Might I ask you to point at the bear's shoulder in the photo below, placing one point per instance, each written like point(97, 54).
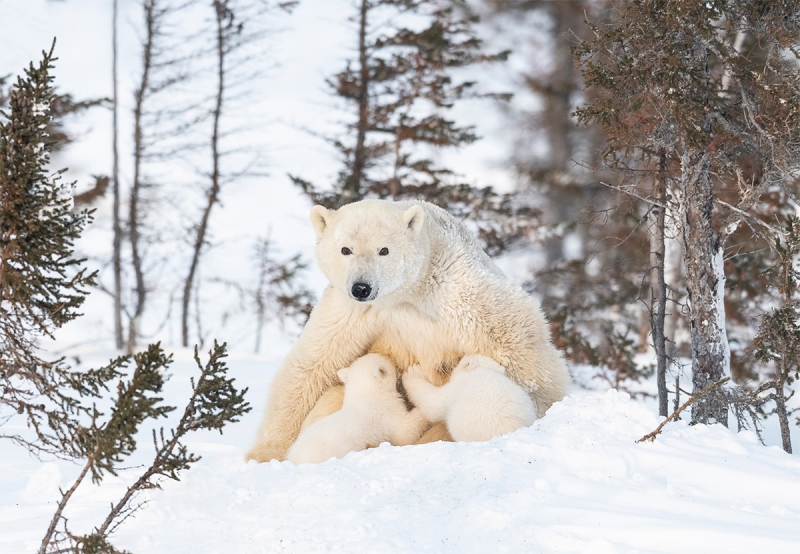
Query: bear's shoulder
point(455, 240)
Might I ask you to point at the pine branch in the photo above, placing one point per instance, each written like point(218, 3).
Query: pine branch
point(213, 404)
point(106, 444)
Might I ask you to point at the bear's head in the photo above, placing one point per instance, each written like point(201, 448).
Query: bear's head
point(368, 372)
point(370, 249)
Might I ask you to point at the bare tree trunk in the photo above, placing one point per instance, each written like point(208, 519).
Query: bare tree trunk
point(658, 287)
point(116, 260)
point(738, 42)
point(673, 276)
point(222, 13)
point(136, 189)
point(261, 307)
point(705, 285)
point(780, 400)
point(559, 124)
point(353, 184)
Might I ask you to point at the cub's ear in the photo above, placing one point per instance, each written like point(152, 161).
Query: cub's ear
point(413, 217)
point(343, 373)
point(379, 371)
point(320, 219)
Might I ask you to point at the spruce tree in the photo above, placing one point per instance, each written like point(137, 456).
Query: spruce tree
point(778, 338)
point(42, 284)
point(551, 158)
point(673, 87)
point(399, 91)
point(42, 288)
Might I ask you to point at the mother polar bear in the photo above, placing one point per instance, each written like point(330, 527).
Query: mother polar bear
point(409, 281)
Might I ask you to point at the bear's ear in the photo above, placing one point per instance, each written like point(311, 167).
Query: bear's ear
point(413, 217)
point(343, 374)
point(320, 218)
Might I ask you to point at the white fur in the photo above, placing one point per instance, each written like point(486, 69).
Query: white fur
point(435, 298)
point(373, 412)
point(478, 403)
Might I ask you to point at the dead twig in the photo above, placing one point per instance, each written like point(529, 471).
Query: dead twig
point(709, 388)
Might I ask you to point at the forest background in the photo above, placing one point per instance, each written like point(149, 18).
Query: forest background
point(215, 170)
point(223, 182)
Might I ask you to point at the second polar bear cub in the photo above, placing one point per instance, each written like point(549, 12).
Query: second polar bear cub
point(373, 412)
point(478, 403)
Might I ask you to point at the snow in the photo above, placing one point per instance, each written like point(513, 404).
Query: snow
point(40, 109)
point(576, 481)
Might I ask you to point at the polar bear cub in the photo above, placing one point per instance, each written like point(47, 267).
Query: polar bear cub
point(478, 403)
point(373, 412)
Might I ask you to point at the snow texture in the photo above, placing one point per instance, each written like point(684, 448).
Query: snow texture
point(576, 481)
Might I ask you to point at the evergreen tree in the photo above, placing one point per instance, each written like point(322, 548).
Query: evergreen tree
point(552, 155)
point(672, 87)
point(778, 338)
point(42, 288)
point(593, 239)
point(400, 89)
point(41, 283)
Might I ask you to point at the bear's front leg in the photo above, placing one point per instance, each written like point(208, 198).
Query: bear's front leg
point(289, 401)
point(336, 334)
point(330, 402)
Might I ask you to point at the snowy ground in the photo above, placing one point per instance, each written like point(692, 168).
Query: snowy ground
point(574, 482)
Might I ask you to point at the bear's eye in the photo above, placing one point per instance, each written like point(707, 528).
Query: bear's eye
point(384, 252)
point(346, 251)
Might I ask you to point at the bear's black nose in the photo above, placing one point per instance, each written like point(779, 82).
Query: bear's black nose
point(361, 291)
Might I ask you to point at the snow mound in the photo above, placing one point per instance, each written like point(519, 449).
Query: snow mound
point(575, 481)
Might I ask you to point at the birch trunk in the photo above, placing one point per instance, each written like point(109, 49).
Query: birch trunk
point(354, 182)
point(222, 12)
point(117, 254)
point(134, 213)
point(658, 287)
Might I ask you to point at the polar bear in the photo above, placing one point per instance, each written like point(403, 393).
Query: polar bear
point(409, 281)
point(478, 403)
point(372, 412)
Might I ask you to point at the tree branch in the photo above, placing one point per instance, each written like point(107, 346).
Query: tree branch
point(709, 388)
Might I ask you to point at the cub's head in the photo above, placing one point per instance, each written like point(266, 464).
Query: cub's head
point(474, 362)
point(370, 248)
point(369, 371)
